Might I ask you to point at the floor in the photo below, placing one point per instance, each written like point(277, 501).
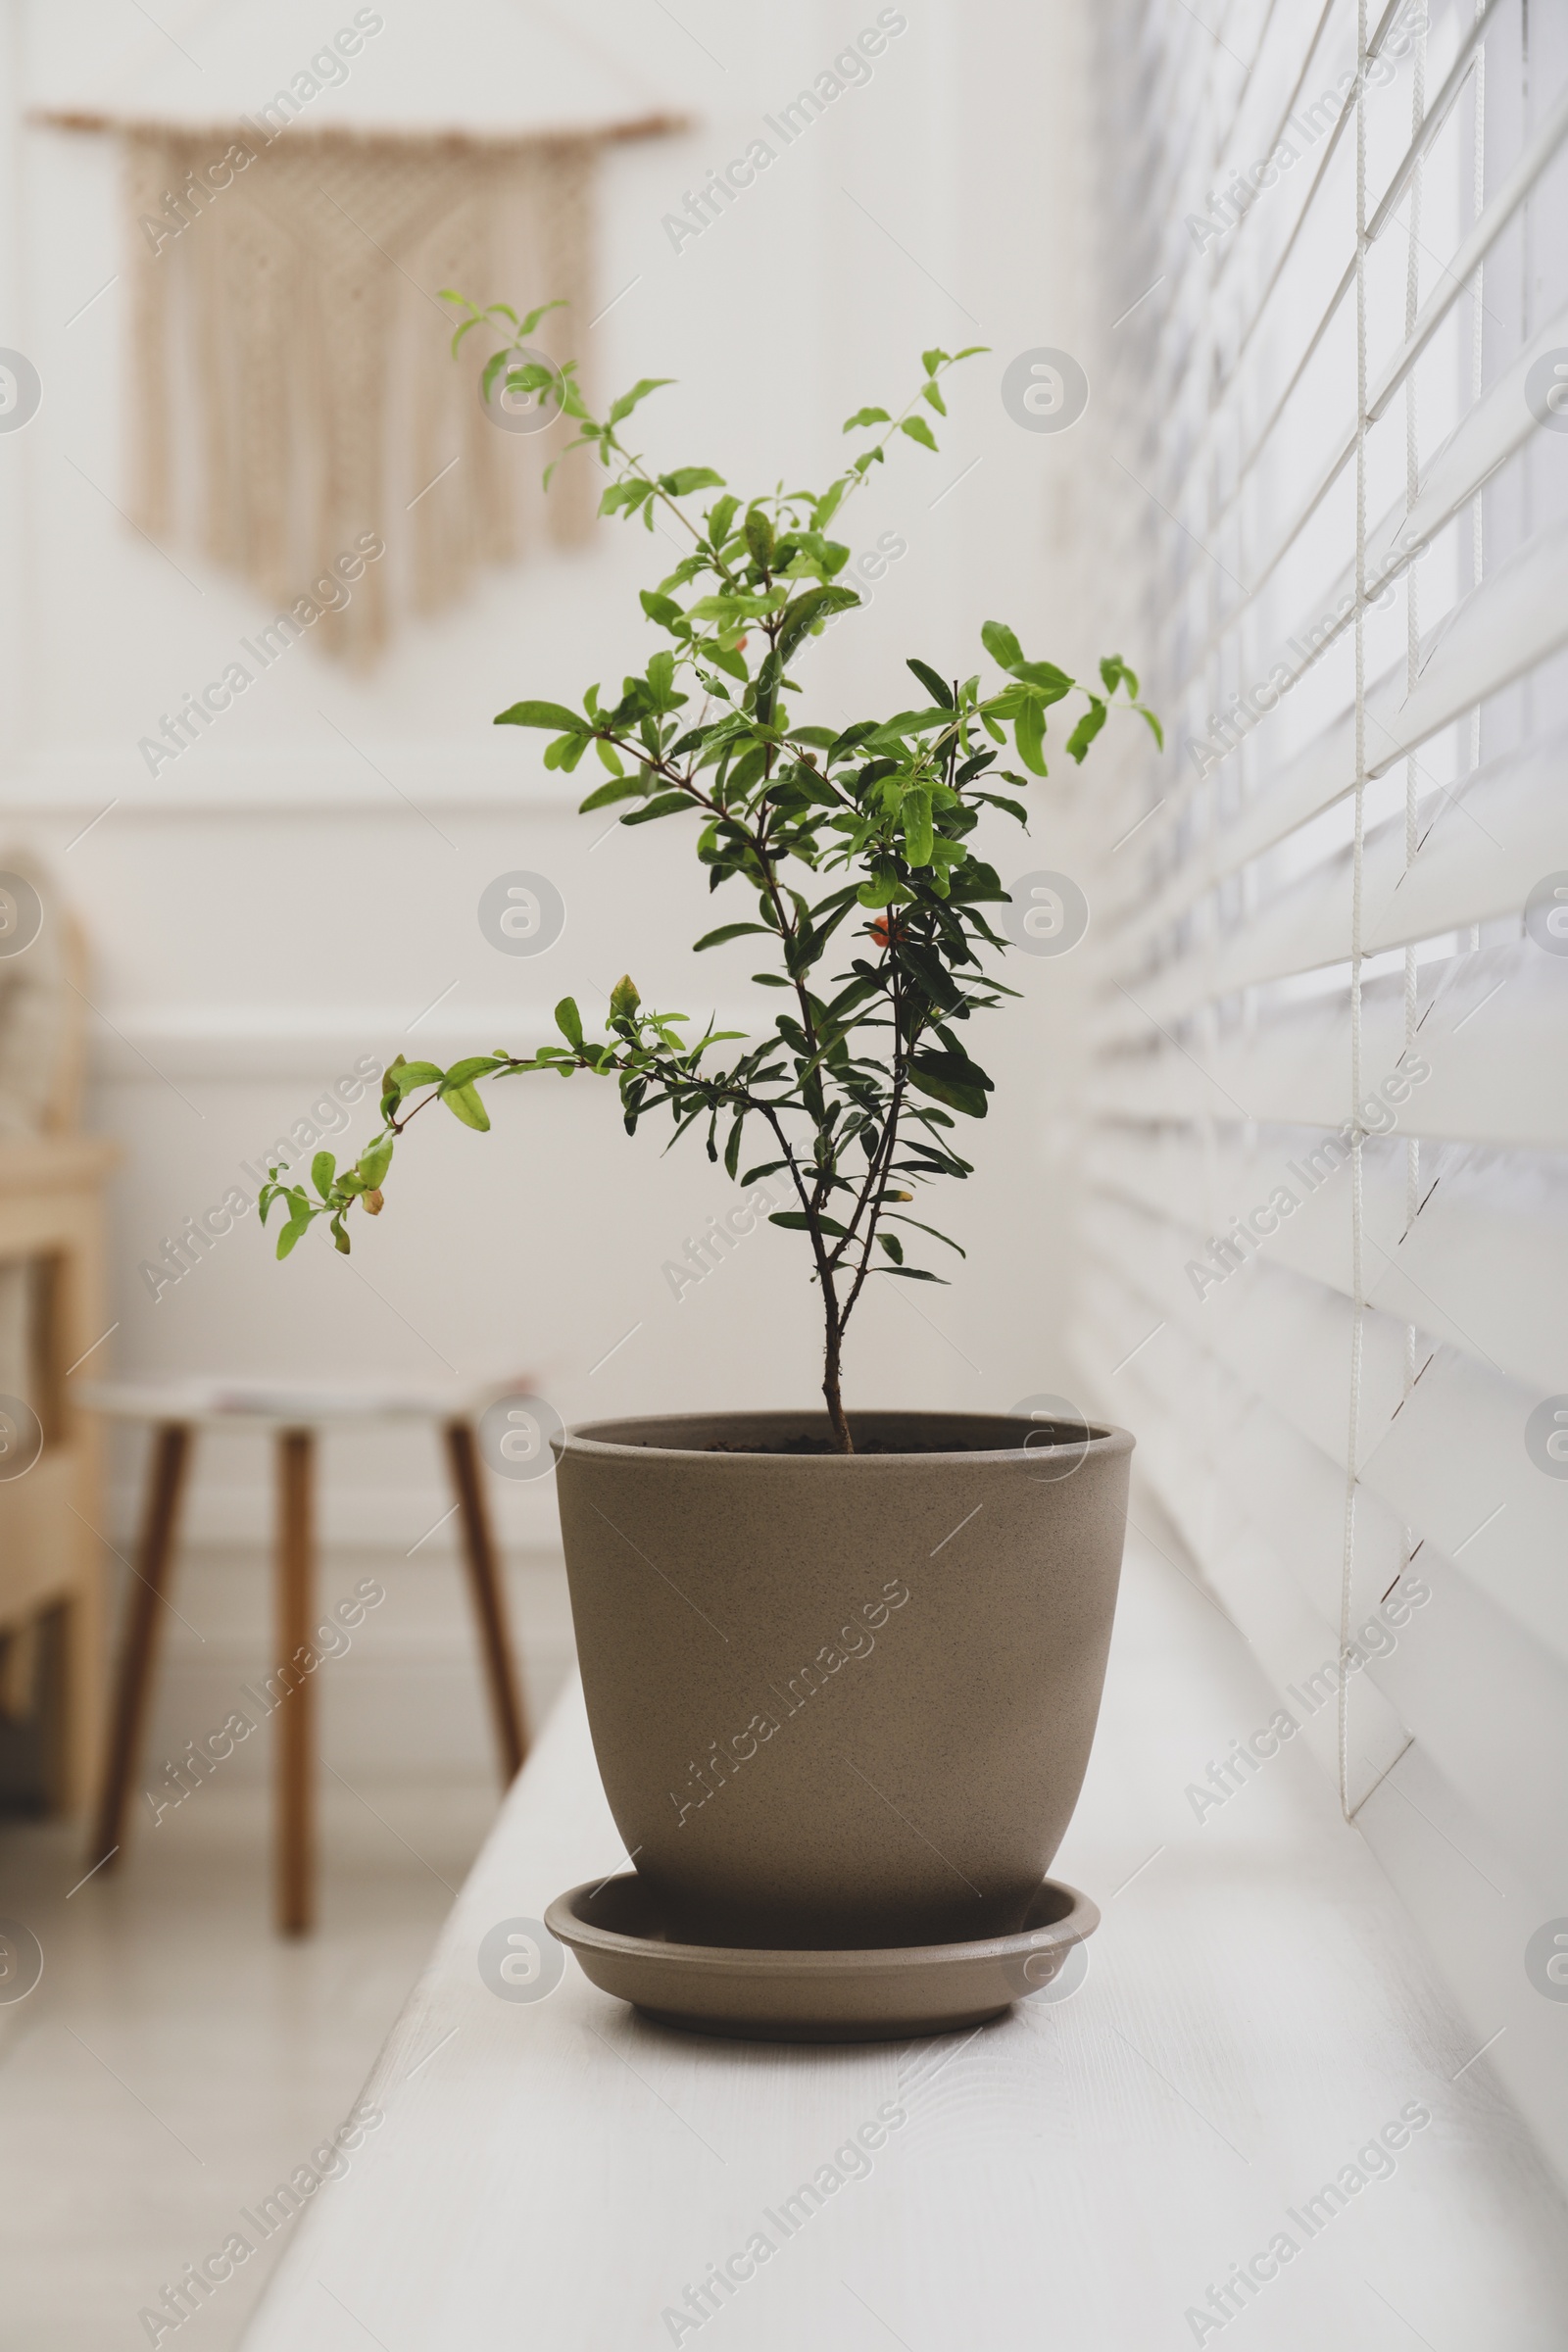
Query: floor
point(176, 2060)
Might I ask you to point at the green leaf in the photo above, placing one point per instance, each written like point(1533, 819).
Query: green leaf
point(913, 1274)
point(803, 613)
point(662, 683)
point(569, 1020)
point(953, 1079)
point(732, 607)
point(853, 425)
point(542, 714)
point(324, 1167)
point(932, 1231)
point(687, 478)
point(463, 1102)
point(491, 369)
point(720, 516)
point(918, 834)
point(1088, 727)
point(759, 538)
point(1029, 729)
point(852, 737)
point(1112, 669)
point(930, 971)
point(373, 1164)
point(893, 1246)
point(936, 688)
point(1155, 727)
point(567, 752)
point(525, 326)
point(665, 803)
point(997, 800)
point(1052, 682)
point(416, 1073)
point(933, 359)
point(1000, 644)
point(884, 889)
point(747, 771)
point(291, 1232)
point(919, 430)
point(535, 377)
point(717, 939)
point(620, 788)
point(623, 999)
point(799, 1222)
point(827, 506)
point(640, 390)
point(929, 393)
point(630, 493)
point(663, 609)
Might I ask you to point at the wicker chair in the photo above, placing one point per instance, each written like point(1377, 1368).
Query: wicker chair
point(51, 1315)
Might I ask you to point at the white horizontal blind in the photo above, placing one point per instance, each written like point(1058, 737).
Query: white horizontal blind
point(1326, 1279)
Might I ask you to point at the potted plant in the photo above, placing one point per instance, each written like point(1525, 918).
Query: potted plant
point(841, 1667)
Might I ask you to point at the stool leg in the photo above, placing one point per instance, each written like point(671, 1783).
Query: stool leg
point(295, 1831)
point(489, 1598)
point(165, 1489)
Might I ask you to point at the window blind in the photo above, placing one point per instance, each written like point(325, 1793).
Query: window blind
point(1325, 1210)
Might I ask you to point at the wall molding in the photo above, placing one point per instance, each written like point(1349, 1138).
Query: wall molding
point(242, 1043)
point(289, 779)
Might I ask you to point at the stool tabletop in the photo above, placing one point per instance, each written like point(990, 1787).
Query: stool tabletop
point(270, 1403)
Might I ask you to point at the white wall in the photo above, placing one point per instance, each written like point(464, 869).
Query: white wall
point(267, 908)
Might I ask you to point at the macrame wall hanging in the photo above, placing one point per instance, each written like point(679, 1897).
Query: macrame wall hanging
point(293, 408)
point(292, 389)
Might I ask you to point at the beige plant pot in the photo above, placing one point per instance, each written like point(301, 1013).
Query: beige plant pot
point(842, 1700)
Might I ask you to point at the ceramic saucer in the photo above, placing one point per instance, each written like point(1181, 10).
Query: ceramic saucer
point(620, 1932)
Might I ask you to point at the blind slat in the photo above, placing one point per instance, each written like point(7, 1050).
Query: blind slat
point(1483, 1264)
point(1449, 1461)
point(1471, 36)
point(1515, 621)
point(1514, 1764)
point(1484, 440)
point(1499, 1080)
point(1456, 278)
point(1483, 847)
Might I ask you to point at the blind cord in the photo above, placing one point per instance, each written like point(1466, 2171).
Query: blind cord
point(1418, 108)
point(1478, 362)
point(1412, 645)
point(1348, 1565)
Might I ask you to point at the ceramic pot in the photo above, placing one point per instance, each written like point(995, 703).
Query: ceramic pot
point(842, 1700)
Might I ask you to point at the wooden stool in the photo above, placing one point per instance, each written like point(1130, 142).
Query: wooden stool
point(293, 1416)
